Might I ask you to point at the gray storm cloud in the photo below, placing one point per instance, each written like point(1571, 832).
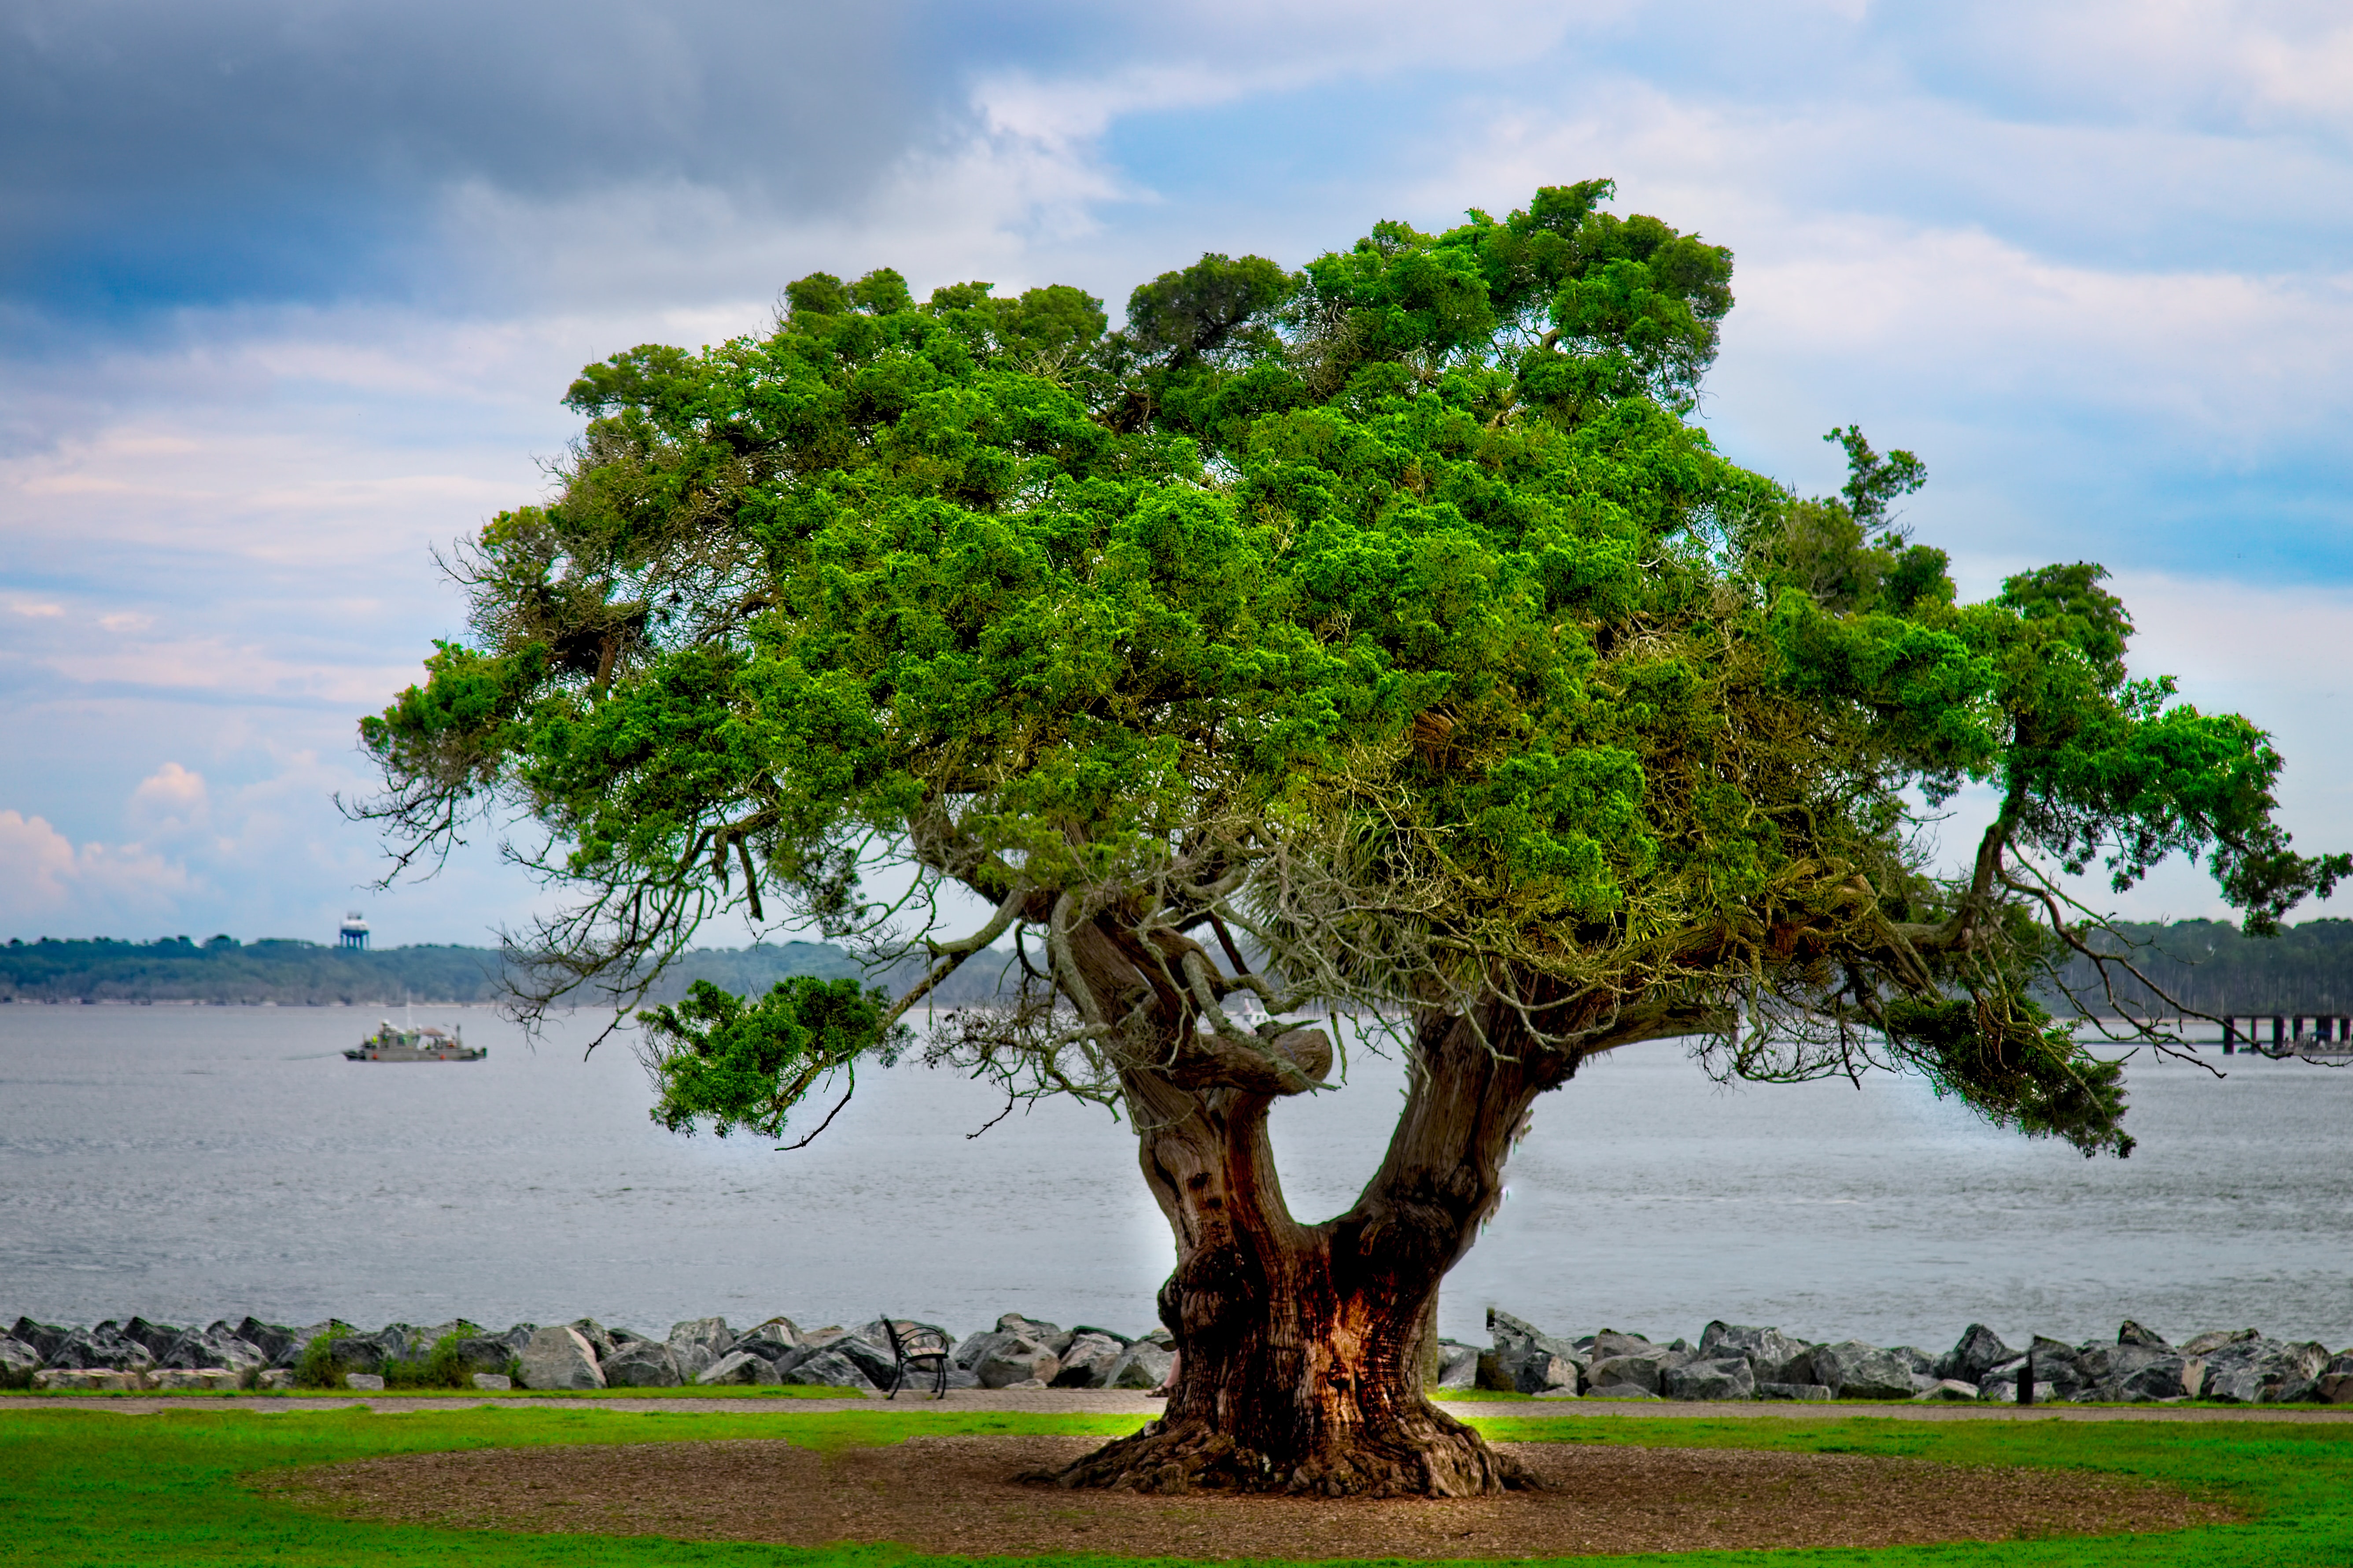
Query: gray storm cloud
point(154, 151)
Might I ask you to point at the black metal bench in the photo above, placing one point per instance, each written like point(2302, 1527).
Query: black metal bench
point(921, 1348)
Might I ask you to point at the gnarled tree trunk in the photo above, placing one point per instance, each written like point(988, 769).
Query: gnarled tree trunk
point(1299, 1344)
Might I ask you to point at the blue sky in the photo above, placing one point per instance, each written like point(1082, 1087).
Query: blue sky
point(289, 291)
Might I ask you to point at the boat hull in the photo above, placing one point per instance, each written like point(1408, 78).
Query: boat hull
point(414, 1044)
point(400, 1054)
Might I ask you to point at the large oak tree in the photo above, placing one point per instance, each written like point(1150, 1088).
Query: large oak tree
point(1378, 639)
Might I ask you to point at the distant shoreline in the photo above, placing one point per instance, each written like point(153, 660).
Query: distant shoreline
point(277, 972)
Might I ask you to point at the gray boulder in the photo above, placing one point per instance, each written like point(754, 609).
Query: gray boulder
point(641, 1363)
point(1054, 1337)
point(2266, 1372)
point(2055, 1362)
point(101, 1348)
point(355, 1353)
point(1642, 1371)
point(87, 1380)
point(1088, 1361)
point(488, 1356)
point(217, 1348)
point(2097, 1363)
point(1541, 1371)
point(697, 1344)
point(155, 1338)
point(1611, 1342)
point(1770, 1352)
point(1858, 1370)
point(272, 1340)
point(2000, 1385)
point(1457, 1365)
point(2336, 1386)
point(599, 1338)
point(1802, 1391)
point(1946, 1389)
point(739, 1367)
point(2162, 1377)
point(1021, 1361)
point(1145, 1365)
point(300, 1342)
point(18, 1362)
point(45, 1338)
point(1525, 1359)
point(1619, 1391)
point(492, 1382)
point(771, 1339)
point(1976, 1352)
point(1729, 1377)
point(874, 1360)
point(766, 1347)
point(823, 1367)
point(2207, 1343)
point(2132, 1333)
point(362, 1382)
point(560, 1358)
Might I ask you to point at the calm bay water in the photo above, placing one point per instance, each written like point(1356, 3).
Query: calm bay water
point(194, 1163)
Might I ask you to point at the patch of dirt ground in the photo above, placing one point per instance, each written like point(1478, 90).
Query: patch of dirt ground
point(960, 1495)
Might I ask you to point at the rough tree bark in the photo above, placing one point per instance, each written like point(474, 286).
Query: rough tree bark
point(1298, 1369)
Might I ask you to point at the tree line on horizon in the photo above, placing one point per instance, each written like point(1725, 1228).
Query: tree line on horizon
point(2214, 967)
point(293, 972)
point(2210, 965)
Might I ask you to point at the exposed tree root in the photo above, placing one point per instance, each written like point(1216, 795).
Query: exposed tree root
point(1172, 1458)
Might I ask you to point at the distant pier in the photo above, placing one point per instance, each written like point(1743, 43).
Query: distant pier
point(2290, 1034)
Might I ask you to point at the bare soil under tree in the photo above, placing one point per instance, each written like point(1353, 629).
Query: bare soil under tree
point(964, 1495)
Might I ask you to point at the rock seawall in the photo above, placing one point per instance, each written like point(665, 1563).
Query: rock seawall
point(1019, 1353)
point(1735, 1362)
point(1730, 1362)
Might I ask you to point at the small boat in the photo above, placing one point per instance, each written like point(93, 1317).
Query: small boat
point(425, 1045)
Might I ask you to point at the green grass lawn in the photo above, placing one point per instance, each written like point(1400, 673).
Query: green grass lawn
point(87, 1487)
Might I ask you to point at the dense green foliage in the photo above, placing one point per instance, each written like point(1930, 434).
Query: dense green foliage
point(439, 1367)
point(89, 1489)
point(1390, 614)
point(731, 1061)
point(317, 1368)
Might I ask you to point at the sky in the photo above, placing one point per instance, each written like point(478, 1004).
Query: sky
point(290, 290)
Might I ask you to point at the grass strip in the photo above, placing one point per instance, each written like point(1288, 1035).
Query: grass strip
point(89, 1488)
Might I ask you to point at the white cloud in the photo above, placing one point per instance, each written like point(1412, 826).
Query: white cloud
point(36, 859)
point(43, 874)
point(171, 802)
point(2259, 62)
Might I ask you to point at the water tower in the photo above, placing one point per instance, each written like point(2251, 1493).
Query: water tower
point(354, 933)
